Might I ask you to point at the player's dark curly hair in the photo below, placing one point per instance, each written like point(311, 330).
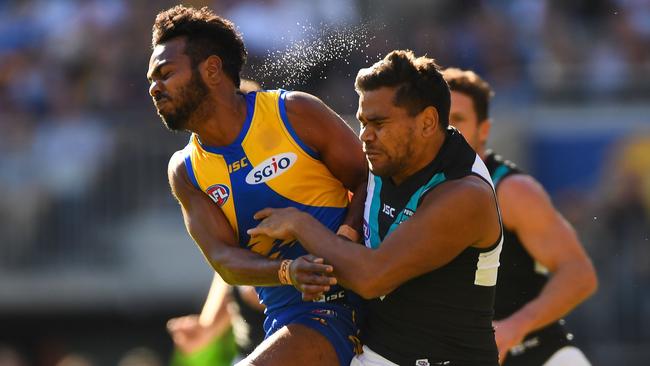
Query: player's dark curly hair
point(470, 84)
point(418, 80)
point(206, 34)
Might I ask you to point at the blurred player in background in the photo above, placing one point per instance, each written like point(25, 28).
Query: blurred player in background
point(247, 152)
point(229, 328)
point(431, 226)
point(538, 242)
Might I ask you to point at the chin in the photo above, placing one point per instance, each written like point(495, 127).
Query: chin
point(377, 170)
point(172, 123)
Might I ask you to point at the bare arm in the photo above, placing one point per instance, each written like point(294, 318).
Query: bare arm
point(210, 229)
point(551, 241)
point(338, 146)
point(452, 217)
point(192, 333)
point(216, 302)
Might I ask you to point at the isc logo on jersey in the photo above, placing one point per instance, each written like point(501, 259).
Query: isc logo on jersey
point(270, 168)
point(219, 193)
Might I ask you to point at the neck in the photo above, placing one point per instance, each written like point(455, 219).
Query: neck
point(421, 158)
point(222, 121)
point(481, 152)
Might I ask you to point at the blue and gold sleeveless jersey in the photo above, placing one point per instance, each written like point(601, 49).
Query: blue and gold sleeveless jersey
point(267, 166)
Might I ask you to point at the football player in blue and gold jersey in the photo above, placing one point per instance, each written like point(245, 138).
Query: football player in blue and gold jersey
point(250, 151)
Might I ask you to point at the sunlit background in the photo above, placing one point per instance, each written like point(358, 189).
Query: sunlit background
point(94, 257)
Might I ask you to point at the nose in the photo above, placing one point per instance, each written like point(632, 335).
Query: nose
point(155, 89)
point(366, 134)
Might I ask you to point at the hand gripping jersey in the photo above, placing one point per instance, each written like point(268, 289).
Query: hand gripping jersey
point(443, 317)
point(267, 166)
point(521, 279)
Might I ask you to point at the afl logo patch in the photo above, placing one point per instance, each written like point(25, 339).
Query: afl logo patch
point(270, 168)
point(219, 193)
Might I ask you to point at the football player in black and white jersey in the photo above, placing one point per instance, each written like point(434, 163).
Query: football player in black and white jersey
point(544, 272)
point(432, 228)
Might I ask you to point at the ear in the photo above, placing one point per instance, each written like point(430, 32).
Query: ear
point(484, 131)
point(212, 70)
point(428, 121)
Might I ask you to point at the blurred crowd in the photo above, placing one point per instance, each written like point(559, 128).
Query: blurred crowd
point(81, 147)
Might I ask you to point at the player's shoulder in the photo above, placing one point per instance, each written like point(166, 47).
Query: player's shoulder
point(519, 193)
point(470, 189)
point(176, 161)
point(176, 170)
point(520, 185)
point(300, 97)
point(300, 103)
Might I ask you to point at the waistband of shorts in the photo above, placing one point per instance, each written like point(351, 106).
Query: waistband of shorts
point(553, 336)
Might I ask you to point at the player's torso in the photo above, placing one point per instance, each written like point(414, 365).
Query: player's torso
point(266, 166)
point(426, 314)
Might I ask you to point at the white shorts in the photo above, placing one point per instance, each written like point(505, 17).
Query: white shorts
point(370, 358)
point(565, 356)
point(568, 356)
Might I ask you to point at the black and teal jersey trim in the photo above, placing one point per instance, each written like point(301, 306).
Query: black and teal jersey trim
point(375, 233)
point(499, 168)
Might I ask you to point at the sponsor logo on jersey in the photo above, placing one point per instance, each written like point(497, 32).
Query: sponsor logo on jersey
point(331, 297)
point(422, 362)
point(405, 215)
point(235, 166)
point(270, 168)
point(390, 211)
point(219, 193)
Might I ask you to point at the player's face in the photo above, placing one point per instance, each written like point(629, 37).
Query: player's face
point(387, 132)
point(462, 115)
point(176, 87)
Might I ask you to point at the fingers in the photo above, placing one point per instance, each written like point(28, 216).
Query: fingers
point(256, 231)
point(312, 289)
point(312, 296)
point(311, 263)
point(313, 259)
point(263, 213)
point(304, 266)
point(313, 279)
point(311, 276)
point(182, 323)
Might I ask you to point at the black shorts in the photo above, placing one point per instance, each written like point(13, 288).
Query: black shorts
point(539, 346)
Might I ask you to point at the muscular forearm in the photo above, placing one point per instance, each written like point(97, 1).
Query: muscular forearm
point(353, 263)
point(242, 267)
point(570, 285)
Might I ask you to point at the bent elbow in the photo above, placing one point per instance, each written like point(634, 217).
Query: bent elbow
point(587, 280)
point(230, 280)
